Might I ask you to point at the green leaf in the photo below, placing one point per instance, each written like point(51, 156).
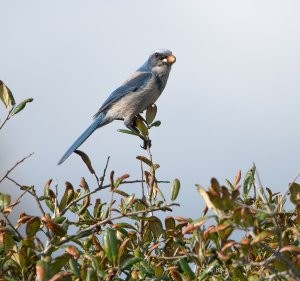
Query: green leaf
point(128, 201)
point(67, 197)
point(87, 199)
point(260, 237)
point(186, 269)
point(156, 227)
point(170, 223)
point(28, 242)
point(86, 160)
point(59, 262)
point(97, 208)
point(247, 217)
point(7, 243)
point(128, 132)
point(175, 189)
point(142, 127)
point(248, 181)
point(295, 193)
point(75, 267)
point(208, 269)
point(48, 193)
point(21, 106)
point(95, 265)
point(253, 277)
point(155, 124)
point(110, 245)
point(229, 184)
point(32, 226)
point(42, 270)
point(151, 113)
point(6, 95)
point(128, 263)
point(4, 200)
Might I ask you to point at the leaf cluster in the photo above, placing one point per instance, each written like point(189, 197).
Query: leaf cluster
point(244, 233)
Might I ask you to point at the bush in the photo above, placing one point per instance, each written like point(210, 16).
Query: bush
point(244, 232)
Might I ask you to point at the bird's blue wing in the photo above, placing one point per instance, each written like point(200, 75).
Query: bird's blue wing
point(137, 83)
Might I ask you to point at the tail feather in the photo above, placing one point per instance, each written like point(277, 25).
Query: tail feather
point(98, 122)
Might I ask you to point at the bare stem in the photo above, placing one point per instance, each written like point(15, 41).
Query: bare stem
point(287, 192)
point(7, 118)
point(143, 189)
point(11, 225)
point(19, 162)
point(271, 212)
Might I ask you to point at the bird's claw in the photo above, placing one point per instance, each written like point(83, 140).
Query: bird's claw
point(147, 144)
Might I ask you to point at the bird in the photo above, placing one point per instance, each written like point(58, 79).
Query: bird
point(139, 91)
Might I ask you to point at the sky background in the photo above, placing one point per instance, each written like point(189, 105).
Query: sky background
point(232, 97)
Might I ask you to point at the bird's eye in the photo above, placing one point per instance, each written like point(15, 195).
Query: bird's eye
point(156, 54)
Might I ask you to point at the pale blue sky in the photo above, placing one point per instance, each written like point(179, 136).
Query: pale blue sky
point(232, 97)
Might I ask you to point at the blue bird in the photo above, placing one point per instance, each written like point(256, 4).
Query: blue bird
point(139, 91)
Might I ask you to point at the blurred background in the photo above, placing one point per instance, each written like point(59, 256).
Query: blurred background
point(232, 97)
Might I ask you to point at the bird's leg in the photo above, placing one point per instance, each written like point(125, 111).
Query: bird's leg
point(132, 126)
point(147, 144)
point(139, 116)
point(146, 140)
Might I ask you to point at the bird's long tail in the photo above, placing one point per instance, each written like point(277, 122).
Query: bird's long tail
point(97, 123)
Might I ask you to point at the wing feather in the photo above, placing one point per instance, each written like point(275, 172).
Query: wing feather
point(133, 84)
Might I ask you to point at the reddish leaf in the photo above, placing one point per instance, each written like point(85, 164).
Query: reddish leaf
point(191, 227)
point(73, 251)
point(86, 160)
point(237, 177)
point(53, 226)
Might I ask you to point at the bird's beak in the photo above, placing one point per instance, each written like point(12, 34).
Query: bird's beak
point(171, 59)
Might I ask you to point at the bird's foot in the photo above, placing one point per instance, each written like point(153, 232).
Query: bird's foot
point(147, 144)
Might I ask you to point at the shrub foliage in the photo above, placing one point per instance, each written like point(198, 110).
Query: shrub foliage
point(244, 233)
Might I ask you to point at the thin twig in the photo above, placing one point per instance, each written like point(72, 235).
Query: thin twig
point(172, 258)
point(11, 225)
point(278, 275)
point(7, 117)
point(19, 162)
point(101, 180)
point(17, 201)
point(271, 212)
point(253, 209)
point(31, 191)
point(17, 184)
point(138, 181)
point(152, 176)
point(292, 270)
point(143, 189)
point(287, 192)
point(38, 201)
point(104, 172)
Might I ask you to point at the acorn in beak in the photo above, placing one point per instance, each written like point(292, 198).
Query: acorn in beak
point(171, 59)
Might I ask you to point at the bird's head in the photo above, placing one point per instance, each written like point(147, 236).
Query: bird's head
point(161, 61)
